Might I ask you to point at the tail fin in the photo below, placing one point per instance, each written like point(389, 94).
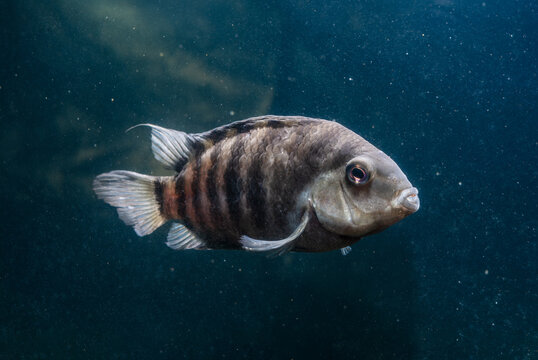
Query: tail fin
point(135, 197)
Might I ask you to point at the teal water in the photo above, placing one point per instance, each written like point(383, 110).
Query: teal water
point(447, 88)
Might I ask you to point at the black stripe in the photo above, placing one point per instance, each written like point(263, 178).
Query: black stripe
point(217, 134)
point(203, 174)
point(187, 224)
point(198, 149)
point(159, 190)
point(211, 186)
point(275, 124)
point(256, 192)
point(195, 186)
point(234, 184)
point(236, 128)
point(180, 192)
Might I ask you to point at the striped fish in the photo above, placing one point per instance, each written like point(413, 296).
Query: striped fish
point(270, 183)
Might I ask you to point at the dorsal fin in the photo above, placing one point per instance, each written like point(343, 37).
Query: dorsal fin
point(171, 147)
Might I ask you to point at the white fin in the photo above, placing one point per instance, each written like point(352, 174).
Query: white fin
point(171, 147)
point(134, 196)
point(346, 250)
point(278, 247)
point(181, 238)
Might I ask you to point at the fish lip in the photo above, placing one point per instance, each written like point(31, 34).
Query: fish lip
point(408, 199)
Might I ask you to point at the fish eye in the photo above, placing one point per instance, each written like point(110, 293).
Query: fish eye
point(356, 174)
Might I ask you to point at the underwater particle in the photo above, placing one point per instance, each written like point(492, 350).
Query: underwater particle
point(267, 184)
point(111, 99)
point(232, 113)
point(486, 272)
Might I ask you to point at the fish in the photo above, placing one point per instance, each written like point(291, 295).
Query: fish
point(270, 184)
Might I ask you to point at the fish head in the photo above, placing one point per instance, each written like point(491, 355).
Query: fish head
point(364, 195)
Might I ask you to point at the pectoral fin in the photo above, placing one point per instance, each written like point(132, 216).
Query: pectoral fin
point(277, 247)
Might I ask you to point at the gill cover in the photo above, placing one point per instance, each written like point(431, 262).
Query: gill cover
point(331, 206)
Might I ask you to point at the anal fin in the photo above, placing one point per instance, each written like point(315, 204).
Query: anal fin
point(181, 238)
point(276, 247)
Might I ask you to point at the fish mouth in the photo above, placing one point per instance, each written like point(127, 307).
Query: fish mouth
point(408, 199)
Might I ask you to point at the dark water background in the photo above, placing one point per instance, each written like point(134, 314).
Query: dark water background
point(447, 88)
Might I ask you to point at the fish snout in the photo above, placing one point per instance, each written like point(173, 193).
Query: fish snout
point(408, 199)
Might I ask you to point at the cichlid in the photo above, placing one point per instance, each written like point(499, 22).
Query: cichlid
point(270, 183)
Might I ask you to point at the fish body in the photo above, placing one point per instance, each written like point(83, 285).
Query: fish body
point(270, 183)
